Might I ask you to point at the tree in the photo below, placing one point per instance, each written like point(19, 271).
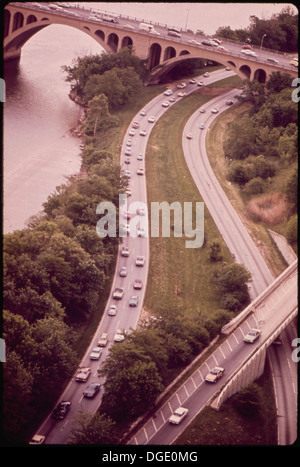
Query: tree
point(93, 429)
point(215, 251)
point(132, 382)
point(231, 281)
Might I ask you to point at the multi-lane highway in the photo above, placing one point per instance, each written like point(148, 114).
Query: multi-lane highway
point(126, 317)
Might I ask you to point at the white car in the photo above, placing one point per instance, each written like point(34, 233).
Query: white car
point(202, 126)
point(178, 416)
point(189, 136)
point(131, 133)
point(143, 132)
point(165, 104)
point(140, 171)
point(140, 261)
point(123, 271)
point(215, 374)
point(95, 354)
point(112, 311)
point(119, 336)
point(215, 110)
point(151, 119)
point(168, 92)
point(252, 335)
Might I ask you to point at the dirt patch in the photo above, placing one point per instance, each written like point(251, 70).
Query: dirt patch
point(271, 208)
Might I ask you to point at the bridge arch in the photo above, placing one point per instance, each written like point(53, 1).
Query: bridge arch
point(31, 19)
point(113, 41)
point(126, 42)
point(260, 75)
point(169, 52)
point(154, 55)
point(18, 21)
point(245, 70)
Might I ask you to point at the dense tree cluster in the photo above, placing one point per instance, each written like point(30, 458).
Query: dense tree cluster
point(280, 32)
point(265, 139)
point(118, 76)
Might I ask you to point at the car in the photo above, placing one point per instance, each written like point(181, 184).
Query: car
point(189, 136)
point(37, 439)
point(181, 94)
point(172, 99)
point(127, 152)
point(127, 160)
point(151, 119)
point(202, 111)
point(294, 61)
point(165, 104)
point(215, 110)
point(138, 284)
point(123, 271)
point(95, 354)
point(192, 81)
point(143, 132)
point(202, 126)
point(249, 52)
point(272, 60)
point(140, 171)
point(229, 102)
point(174, 33)
point(134, 300)
point(215, 374)
point(127, 173)
point(61, 410)
point(140, 232)
point(206, 42)
point(206, 74)
point(92, 390)
point(181, 85)
point(112, 311)
point(125, 251)
point(119, 335)
point(200, 83)
point(128, 192)
point(140, 157)
point(135, 125)
point(118, 293)
point(252, 335)
point(140, 261)
point(247, 46)
point(102, 342)
point(128, 26)
point(131, 133)
point(193, 41)
point(178, 415)
point(143, 113)
point(168, 92)
point(82, 374)
point(222, 48)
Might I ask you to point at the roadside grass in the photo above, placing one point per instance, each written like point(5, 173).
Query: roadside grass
point(229, 428)
point(179, 276)
point(238, 199)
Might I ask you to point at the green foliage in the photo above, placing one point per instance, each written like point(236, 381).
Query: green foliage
point(93, 429)
point(292, 229)
point(215, 251)
point(231, 280)
point(247, 401)
point(281, 31)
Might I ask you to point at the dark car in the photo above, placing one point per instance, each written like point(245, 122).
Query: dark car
point(61, 410)
point(91, 390)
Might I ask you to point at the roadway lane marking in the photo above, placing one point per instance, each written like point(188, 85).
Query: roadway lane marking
point(230, 348)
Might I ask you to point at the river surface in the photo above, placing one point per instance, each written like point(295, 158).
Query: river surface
point(39, 151)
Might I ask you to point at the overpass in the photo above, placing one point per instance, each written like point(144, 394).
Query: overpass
point(272, 311)
point(23, 20)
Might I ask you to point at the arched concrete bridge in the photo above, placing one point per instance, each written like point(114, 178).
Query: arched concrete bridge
point(23, 20)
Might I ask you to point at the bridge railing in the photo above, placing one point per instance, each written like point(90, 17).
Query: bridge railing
point(174, 39)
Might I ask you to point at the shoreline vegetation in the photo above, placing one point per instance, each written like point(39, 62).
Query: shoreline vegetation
point(57, 272)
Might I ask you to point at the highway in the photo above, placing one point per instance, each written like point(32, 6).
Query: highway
point(58, 432)
point(126, 318)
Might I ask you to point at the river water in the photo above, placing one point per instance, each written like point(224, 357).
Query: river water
point(39, 151)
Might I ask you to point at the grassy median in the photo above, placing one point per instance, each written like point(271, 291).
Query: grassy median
point(179, 276)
